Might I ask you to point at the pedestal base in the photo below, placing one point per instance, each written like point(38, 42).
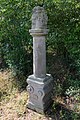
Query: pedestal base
point(40, 93)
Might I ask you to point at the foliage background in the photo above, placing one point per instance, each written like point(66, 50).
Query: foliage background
point(63, 40)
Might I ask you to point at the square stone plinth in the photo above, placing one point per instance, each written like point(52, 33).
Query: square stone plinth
point(40, 93)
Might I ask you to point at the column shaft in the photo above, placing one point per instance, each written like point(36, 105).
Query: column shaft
point(39, 56)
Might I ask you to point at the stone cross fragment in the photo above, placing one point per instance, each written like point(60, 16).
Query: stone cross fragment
point(40, 84)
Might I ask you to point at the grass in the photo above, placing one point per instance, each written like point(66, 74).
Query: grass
point(13, 102)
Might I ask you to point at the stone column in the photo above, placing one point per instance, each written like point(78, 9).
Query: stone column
point(39, 56)
point(40, 83)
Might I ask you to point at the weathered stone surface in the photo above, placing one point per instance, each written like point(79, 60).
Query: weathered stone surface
point(40, 90)
point(40, 83)
point(39, 18)
point(39, 56)
point(39, 31)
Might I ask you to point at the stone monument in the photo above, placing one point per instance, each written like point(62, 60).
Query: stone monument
point(40, 84)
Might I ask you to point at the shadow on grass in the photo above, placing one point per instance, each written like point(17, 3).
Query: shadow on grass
point(59, 112)
point(59, 67)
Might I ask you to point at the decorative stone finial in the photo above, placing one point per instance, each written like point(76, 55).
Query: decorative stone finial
point(39, 18)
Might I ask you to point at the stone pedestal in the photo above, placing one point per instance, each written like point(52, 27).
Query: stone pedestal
point(40, 90)
point(40, 84)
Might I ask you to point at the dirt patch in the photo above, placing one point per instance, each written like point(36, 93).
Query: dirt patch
point(13, 102)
